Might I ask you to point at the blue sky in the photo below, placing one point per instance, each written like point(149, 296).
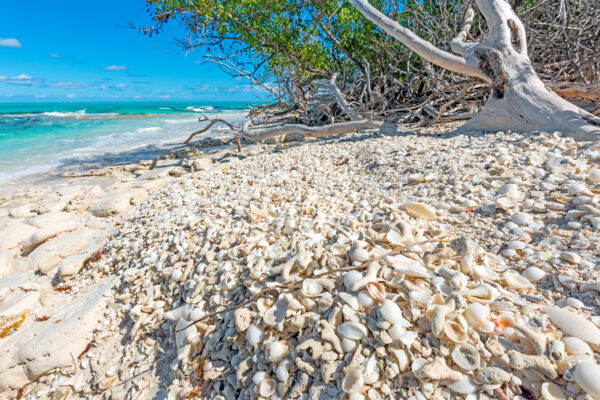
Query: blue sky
point(67, 50)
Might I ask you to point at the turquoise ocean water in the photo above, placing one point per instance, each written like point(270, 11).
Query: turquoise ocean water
point(39, 137)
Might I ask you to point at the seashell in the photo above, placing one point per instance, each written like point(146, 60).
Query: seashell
point(392, 313)
point(456, 329)
point(359, 254)
point(258, 377)
point(417, 364)
point(277, 351)
point(515, 280)
point(579, 188)
point(484, 272)
point(477, 316)
point(466, 357)
point(352, 330)
point(575, 346)
point(350, 300)
point(283, 370)
point(464, 386)
point(376, 290)
point(587, 377)
point(421, 297)
point(254, 335)
point(351, 277)
point(573, 324)
point(408, 337)
point(365, 299)
point(594, 175)
point(348, 344)
point(504, 322)
point(311, 288)
point(407, 266)
point(402, 358)
point(353, 381)
point(570, 257)
point(420, 210)
point(522, 219)
point(394, 237)
point(483, 294)
point(267, 387)
point(551, 391)
point(534, 274)
point(575, 303)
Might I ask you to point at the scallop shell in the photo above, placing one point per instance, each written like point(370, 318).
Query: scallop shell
point(353, 381)
point(456, 328)
point(311, 288)
point(516, 281)
point(466, 357)
point(587, 376)
point(376, 290)
point(574, 324)
point(352, 330)
point(551, 391)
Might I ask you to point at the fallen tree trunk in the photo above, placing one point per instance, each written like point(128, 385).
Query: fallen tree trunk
point(254, 134)
point(520, 101)
point(577, 91)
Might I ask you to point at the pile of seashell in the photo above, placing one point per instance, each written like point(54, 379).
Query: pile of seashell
point(365, 270)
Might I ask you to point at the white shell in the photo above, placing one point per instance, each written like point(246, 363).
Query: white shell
point(464, 386)
point(277, 350)
point(420, 210)
point(311, 288)
point(353, 381)
point(396, 332)
point(456, 329)
point(254, 335)
point(484, 272)
point(466, 356)
point(351, 277)
point(522, 218)
point(515, 280)
point(576, 346)
point(422, 298)
point(573, 324)
point(587, 376)
point(352, 330)
point(364, 299)
point(551, 391)
point(477, 316)
point(259, 376)
point(408, 266)
point(402, 359)
point(348, 345)
point(267, 387)
point(534, 274)
point(392, 313)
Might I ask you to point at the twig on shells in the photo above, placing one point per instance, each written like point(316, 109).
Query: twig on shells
point(293, 285)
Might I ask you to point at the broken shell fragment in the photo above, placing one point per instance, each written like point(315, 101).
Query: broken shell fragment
point(466, 357)
point(477, 316)
point(420, 210)
point(352, 330)
point(353, 381)
point(392, 313)
point(515, 280)
point(277, 350)
point(551, 391)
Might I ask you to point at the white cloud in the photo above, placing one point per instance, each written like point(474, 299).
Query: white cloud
point(40, 96)
point(116, 68)
point(10, 43)
point(54, 55)
point(165, 96)
point(71, 95)
point(121, 86)
point(68, 85)
point(22, 79)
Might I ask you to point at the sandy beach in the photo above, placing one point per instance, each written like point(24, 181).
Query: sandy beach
point(419, 266)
